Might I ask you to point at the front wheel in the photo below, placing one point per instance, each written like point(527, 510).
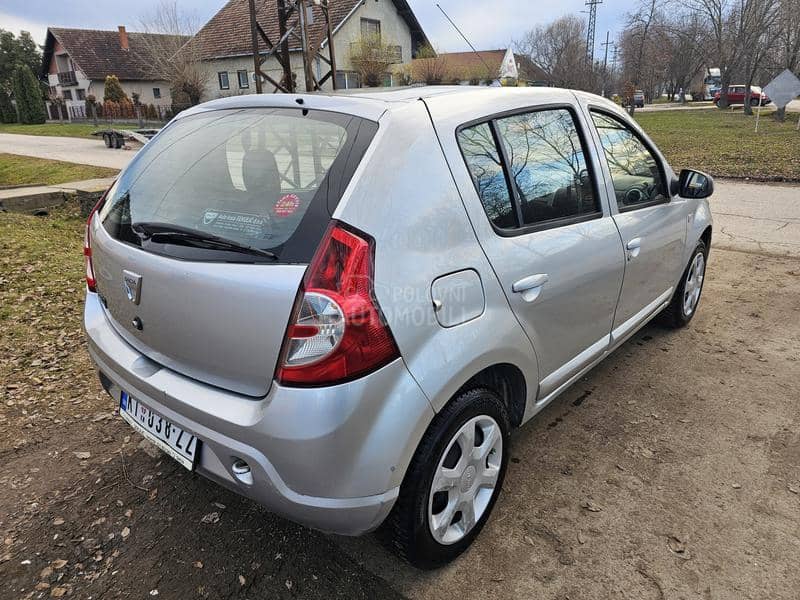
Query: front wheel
point(684, 302)
point(452, 482)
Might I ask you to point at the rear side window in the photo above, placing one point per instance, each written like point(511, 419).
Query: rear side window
point(537, 177)
point(483, 161)
point(264, 178)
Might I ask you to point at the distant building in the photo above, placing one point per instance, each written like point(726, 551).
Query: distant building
point(77, 61)
point(484, 66)
point(225, 43)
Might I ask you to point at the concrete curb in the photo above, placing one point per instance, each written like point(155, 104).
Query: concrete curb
point(33, 199)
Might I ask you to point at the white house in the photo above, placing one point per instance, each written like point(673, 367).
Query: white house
point(77, 61)
point(224, 44)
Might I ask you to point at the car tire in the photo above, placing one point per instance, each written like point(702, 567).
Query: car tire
point(107, 140)
point(409, 528)
point(686, 299)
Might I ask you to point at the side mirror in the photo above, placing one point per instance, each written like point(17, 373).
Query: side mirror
point(695, 184)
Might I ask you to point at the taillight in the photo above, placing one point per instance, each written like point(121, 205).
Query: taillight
point(337, 331)
point(91, 282)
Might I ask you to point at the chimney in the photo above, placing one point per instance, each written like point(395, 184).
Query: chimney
point(123, 38)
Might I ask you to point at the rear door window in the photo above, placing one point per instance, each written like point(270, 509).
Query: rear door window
point(264, 178)
point(548, 166)
point(531, 170)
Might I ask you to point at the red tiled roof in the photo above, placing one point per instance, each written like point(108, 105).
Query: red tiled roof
point(99, 53)
point(462, 63)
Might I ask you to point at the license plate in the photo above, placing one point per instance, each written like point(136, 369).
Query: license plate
point(179, 444)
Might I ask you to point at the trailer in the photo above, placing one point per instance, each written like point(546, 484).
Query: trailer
point(116, 138)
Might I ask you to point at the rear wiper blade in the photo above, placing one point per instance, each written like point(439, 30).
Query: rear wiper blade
point(168, 231)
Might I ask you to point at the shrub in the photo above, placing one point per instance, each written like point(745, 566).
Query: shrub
point(113, 89)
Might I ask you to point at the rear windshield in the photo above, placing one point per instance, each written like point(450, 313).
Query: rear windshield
point(263, 178)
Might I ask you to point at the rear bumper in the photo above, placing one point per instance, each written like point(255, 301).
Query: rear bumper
point(331, 458)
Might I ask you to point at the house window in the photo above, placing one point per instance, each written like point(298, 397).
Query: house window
point(156, 93)
point(243, 82)
point(81, 94)
point(370, 28)
point(346, 80)
point(224, 84)
point(67, 94)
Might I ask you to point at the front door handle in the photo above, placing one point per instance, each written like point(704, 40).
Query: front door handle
point(530, 287)
point(634, 247)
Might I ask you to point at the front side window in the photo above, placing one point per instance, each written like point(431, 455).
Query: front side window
point(635, 172)
point(224, 84)
point(547, 166)
point(243, 82)
point(156, 93)
point(484, 164)
point(81, 94)
point(67, 95)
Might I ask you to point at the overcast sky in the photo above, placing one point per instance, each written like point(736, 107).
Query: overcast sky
point(488, 24)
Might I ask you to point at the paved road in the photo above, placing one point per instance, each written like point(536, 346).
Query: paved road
point(68, 149)
point(793, 106)
point(757, 217)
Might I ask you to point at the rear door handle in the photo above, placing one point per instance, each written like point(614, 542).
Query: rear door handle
point(634, 247)
point(530, 287)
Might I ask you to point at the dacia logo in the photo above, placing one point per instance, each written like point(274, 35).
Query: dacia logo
point(132, 284)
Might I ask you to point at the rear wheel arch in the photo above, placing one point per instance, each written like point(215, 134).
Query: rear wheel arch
point(508, 382)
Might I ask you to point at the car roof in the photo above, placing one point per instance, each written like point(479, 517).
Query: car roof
point(373, 103)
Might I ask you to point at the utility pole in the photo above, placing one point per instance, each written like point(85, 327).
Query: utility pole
point(592, 4)
point(605, 62)
point(294, 19)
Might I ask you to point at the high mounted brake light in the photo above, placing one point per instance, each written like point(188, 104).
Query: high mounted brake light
point(337, 331)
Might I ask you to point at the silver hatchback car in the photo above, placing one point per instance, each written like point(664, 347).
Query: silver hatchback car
point(340, 306)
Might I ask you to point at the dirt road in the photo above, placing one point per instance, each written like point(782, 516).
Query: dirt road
point(671, 471)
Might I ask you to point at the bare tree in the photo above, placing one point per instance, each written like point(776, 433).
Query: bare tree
point(429, 67)
point(372, 57)
point(560, 49)
point(171, 55)
point(683, 40)
point(737, 27)
point(786, 54)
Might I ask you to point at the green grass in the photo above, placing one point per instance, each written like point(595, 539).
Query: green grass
point(724, 143)
point(58, 129)
point(82, 130)
point(41, 273)
point(26, 170)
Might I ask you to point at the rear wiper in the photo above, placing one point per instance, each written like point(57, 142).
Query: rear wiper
point(167, 231)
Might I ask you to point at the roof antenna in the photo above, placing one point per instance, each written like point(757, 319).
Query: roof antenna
point(488, 68)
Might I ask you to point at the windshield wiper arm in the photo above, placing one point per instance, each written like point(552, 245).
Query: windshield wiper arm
point(150, 230)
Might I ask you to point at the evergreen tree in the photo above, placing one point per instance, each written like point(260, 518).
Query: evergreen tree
point(113, 90)
point(8, 114)
point(28, 95)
